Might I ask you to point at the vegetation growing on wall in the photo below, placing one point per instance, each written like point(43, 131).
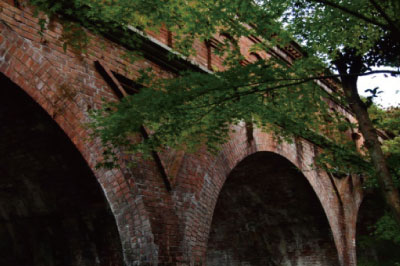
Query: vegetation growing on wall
point(196, 109)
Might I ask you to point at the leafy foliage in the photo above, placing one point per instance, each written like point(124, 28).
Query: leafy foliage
point(197, 109)
point(332, 26)
point(379, 245)
point(378, 234)
point(388, 122)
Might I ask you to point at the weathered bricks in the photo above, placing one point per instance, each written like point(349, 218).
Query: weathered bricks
point(155, 225)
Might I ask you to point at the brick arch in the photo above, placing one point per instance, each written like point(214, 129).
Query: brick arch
point(155, 225)
point(267, 214)
point(49, 77)
point(199, 188)
point(53, 209)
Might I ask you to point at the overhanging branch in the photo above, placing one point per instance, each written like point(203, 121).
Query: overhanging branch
point(392, 25)
point(307, 79)
point(353, 13)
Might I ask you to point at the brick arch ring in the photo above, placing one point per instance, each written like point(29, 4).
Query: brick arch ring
point(40, 70)
point(202, 187)
point(29, 65)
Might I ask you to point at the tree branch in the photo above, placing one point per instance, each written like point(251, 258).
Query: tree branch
point(385, 16)
point(306, 79)
point(296, 81)
point(353, 13)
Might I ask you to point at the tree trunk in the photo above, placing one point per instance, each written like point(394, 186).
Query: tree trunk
point(369, 133)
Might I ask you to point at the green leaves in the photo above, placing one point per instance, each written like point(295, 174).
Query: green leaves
point(198, 109)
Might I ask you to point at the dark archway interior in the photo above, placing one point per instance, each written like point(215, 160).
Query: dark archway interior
point(268, 214)
point(52, 209)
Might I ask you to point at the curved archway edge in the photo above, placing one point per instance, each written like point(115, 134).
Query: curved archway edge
point(268, 214)
point(339, 198)
point(45, 74)
point(149, 217)
point(53, 208)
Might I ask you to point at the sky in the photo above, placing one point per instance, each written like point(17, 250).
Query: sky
point(390, 87)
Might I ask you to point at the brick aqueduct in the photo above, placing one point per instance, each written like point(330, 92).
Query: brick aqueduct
point(257, 202)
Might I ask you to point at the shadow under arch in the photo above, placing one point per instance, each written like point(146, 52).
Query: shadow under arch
point(268, 214)
point(373, 249)
point(52, 209)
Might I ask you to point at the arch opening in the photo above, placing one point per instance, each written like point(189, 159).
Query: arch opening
point(52, 208)
point(268, 214)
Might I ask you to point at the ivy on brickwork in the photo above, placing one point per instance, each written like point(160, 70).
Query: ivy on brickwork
point(186, 19)
point(341, 41)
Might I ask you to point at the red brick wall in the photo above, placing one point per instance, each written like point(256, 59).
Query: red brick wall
point(268, 214)
point(53, 210)
point(42, 69)
point(201, 177)
point(155, 225)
